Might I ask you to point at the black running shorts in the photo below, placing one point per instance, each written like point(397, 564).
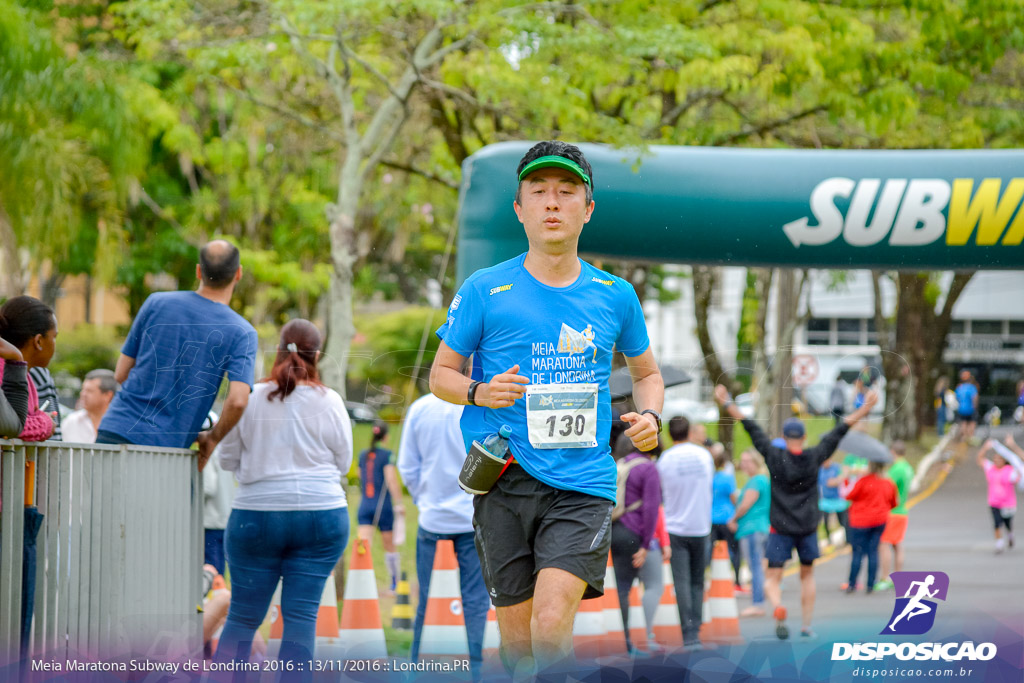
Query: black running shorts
point(522, 525)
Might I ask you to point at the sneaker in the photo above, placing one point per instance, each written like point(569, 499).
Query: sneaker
point(883, 585)
point(1009, 540)
point(781, 632)
point(845, 587)
point(807, 634)
point(741, 590)
point(652, 646)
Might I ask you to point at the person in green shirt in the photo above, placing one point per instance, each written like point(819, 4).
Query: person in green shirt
point(901, 473)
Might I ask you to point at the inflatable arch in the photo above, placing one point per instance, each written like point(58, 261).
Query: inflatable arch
point(915, 210)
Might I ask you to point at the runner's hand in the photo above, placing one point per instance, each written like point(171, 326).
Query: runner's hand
point(643, 430)
point(206, 446)
point(721, 395)
point(871, 398)
point(503, 390)
point(639, 557)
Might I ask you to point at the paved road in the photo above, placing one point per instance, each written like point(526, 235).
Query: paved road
point(950, 531)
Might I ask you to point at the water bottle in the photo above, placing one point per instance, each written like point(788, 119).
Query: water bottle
point(497, 444)
point(485, 462)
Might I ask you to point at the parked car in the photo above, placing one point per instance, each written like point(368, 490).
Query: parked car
point(360, 412)
point(694, 411)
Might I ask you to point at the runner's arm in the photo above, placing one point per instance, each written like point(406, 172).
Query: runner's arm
point(449, 384)
point(648, 394)
point(870, 399)
point(750, 497)
point(234, 406)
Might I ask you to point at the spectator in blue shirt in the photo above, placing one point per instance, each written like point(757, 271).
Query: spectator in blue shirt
point(967, 400)
point(723, 506)
point(179, 349)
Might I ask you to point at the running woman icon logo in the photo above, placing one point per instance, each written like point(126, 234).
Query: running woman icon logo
point(914, 613)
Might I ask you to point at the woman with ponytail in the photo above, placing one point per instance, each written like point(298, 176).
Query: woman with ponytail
point(289, 520)
point(382, 497)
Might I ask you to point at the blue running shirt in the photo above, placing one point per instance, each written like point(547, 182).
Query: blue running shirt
point(557, 335)
point(183, 345)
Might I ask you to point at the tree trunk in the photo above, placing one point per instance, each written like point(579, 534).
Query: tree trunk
point(705, 280)
point(340, 328)
point(762, 382)
point(12, 275)
point(912, 353)
point(785, 314)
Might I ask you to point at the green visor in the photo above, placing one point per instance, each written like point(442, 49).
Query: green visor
point(556, 162)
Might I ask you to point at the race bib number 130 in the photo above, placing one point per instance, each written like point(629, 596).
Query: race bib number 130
point(562, 415)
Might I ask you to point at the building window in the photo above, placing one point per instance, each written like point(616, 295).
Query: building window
point(818, 331)
point(957, 327)
point(872, 336)
point(1017, 328)
point(986, 327)
point(848, 331)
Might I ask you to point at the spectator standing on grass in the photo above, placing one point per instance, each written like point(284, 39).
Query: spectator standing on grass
point(178, 351)
point(941, 385)
point(98, 389)
point(837, 401)
point(31, 327)
point(289, 520)
point(830, 500)
point(686, 470)
point(430, 457)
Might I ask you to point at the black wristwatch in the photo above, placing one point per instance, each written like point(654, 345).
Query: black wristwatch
point(471, 394)
point(655, 413)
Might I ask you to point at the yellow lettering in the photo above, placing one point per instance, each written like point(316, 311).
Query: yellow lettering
point(986, 210)
point(1015, 234)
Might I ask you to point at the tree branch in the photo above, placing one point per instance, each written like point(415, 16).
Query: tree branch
point(769, 126)
point(408, 168)
point(286, 112)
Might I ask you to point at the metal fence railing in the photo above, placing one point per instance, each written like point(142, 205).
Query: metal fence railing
point(118, 553)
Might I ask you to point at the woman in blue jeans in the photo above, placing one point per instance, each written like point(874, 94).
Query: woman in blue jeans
point(750, 524)
point(289, 520)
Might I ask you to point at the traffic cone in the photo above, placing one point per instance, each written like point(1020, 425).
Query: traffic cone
point(588, 631)
point(721, 615)
point(328, 635)
point(444, 627)
point(492, 636)
point(401, 613)
point(276, 624)
point(615, 639)
point(361, 630)
point(667, 629)
point(637, 620)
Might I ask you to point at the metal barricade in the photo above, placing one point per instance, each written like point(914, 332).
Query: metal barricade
point(118, 556)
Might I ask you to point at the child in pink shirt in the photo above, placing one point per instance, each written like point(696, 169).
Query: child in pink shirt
point(1002, 496)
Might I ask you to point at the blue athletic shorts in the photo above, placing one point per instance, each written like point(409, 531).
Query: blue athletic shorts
point(367, 510)
point(780, 548)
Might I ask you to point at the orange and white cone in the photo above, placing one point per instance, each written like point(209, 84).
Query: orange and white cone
point(721, 614)
point(444, 627)
point(637, 620)
point(361, 630)
point(588, 631)
point(328, 636)
point(492, 636)
point(615, 640)
point(668, 632)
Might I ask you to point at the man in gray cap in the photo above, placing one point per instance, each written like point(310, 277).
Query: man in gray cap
point(794, 512)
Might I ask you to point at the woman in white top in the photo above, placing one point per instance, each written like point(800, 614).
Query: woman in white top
point(289, 519)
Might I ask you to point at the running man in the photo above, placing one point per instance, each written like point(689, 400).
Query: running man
point(543, 531)
point(794, 501)
point(915, 607)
